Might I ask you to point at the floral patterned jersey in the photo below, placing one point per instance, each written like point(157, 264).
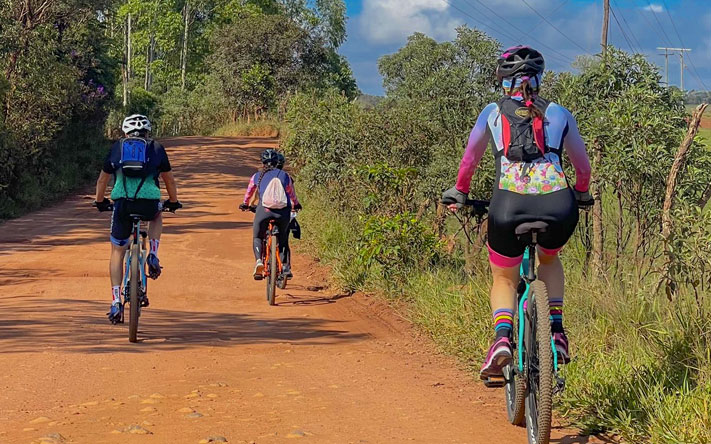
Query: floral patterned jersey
point(542, 176)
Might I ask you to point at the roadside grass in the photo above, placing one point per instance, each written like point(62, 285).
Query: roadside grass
point(641, 363)
point(705, 135)
point(261, 128)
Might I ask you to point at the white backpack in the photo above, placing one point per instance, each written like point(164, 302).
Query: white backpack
point(274, 196)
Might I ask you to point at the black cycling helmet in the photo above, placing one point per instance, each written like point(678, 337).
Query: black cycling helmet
point(519, 61)
point(270, 157)
point(281, 160)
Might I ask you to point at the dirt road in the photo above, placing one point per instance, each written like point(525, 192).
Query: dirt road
point(214, 360)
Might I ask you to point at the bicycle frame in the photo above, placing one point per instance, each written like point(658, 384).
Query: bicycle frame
point(528, 275)
point(272, 230)
point(143, 257)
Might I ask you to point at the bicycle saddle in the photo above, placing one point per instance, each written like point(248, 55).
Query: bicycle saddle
point(531, 227)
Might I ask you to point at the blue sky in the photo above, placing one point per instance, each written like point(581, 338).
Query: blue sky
point(379, 27)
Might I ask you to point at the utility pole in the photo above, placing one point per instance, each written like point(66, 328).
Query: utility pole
point(605, 25)
point(666, 66)
point(598, 230)
point(669, 51)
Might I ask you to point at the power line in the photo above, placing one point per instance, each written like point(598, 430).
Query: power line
point(553, 26)
point(551, 12)
point(624, 34)
point(653, 28)
point(477, 20)
point(624, 20)
point(495, 30)
point(520, 30)
point(691, 61)
point(651, 8)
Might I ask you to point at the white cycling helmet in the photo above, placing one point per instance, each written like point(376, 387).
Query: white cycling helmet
point(136, 122)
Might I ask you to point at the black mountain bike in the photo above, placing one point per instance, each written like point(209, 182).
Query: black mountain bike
point(532, 379)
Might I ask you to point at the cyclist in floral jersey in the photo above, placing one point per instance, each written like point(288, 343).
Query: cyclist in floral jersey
point(530, 186)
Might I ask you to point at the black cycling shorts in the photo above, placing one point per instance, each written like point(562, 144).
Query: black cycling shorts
point(508, 210)
point(121, 221)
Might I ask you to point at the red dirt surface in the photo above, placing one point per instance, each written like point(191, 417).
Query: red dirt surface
point(214, 360)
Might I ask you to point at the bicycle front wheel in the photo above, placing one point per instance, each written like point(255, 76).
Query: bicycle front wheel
point(539, 361)
point(273, 271)
point(134, 285)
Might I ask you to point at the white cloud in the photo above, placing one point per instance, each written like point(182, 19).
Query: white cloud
point(654, 7)
point(391, 21)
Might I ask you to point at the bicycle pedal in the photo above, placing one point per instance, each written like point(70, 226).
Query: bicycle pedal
point(494, 381)
point(559, 385)
point(258, 277)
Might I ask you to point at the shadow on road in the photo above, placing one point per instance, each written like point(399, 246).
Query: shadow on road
point(80, 326)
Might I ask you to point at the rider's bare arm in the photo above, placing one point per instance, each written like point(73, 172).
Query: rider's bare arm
point(101, 185)
point(170, 187)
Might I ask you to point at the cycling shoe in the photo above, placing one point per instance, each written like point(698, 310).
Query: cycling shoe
point(116, 314)
point(560, 340)
point(154, 267)
point(499, 356)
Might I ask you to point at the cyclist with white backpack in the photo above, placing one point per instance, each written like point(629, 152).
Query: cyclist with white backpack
point(276, 200)
point(136, 162)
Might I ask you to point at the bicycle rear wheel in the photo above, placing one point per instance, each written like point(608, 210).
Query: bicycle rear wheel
point(134, 285)
point(515, 393)
point(539, 360)
point(273, 271)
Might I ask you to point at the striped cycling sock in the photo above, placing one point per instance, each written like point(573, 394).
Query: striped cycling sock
point(556, 314)
point(503, 322)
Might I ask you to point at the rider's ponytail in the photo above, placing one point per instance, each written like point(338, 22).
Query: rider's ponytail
point(529, 96)
point(265, 169)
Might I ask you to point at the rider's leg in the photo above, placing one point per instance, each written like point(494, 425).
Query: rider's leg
point(505, 272)
point(116, 272)
point(155, 229)
point(120, 234)
point(259, 229)
point(503, 297)
point(116, 263)
point(550, 271)
point(283, 224)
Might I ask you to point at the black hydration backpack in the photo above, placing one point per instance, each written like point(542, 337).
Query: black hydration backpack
point(523, 135)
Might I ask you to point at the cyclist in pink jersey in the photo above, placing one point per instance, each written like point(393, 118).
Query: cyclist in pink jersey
point(530, 186)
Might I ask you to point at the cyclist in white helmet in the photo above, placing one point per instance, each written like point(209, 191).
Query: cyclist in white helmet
point(136, 162)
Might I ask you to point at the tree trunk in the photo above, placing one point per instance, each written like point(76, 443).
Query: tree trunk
point(672, 180)
point(598, 240)
point(184, 64)
point(129, 52)
point(677, 166)
point(124, 65)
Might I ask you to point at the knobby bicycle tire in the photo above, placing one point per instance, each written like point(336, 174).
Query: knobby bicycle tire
point(134, 285)
point(273, 271)
point(540, 393)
